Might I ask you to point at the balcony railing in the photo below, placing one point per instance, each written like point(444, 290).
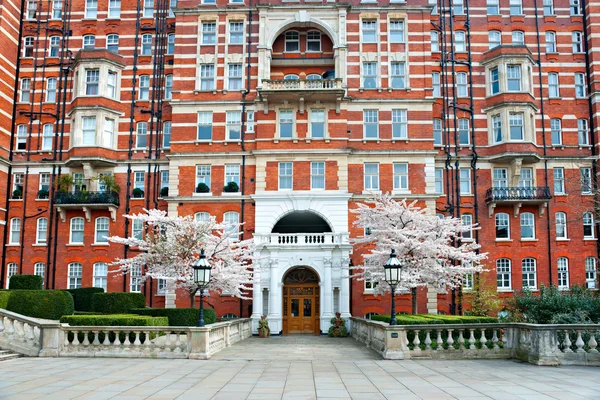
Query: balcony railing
point(84, 197)
point(302, 84)
point(518, 194)
point(302, 239)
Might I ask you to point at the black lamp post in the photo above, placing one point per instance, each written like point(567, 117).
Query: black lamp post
point(392, 268)
point(202, 271)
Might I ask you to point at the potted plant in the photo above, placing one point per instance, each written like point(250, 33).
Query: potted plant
point(42, 194)
point(137, 193)
point(164, 191)
point(231, 187)
point(263, 327)
point(338, 326)
point(63, 183)
point(17, 194)
point(110, 183)
point(202, 188)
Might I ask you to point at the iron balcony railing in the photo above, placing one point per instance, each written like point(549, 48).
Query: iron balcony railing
point(84, 197)
point(518, 193)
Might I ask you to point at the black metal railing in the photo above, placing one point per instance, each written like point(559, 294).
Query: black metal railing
point(518, 193)
point(84, 197)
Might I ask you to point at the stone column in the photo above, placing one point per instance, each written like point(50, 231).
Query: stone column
point(327, 290)
point(256, 301)
point(274, 297)
point(345, 290)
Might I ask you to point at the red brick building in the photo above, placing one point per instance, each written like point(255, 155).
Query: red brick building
point(479, 110)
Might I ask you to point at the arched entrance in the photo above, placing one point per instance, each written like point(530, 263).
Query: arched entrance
point(301, 306)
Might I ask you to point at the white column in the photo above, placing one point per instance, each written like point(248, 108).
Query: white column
point(345, 290)
point(275, 298)
point(327, 291)
point(256, 296)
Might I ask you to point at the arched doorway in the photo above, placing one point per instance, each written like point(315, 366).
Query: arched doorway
point(301, 306)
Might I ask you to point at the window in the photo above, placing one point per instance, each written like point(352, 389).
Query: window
point(232, 219)
point(493, 7)
point(202, 217)
point(144, 88)
point(15, 231)
point(467, 283)
point(111, 85)
point(205, 119)
point(370, 285)
point(497, 128)
point(108, 133)
point(47, 136)
point(467, 220)
point(317, 124)
point(553, 90)
point(167, 131)
point(57, 9)
point(586, 180)
point(101, 230)
point(44, 181)
point(459, 42)
point(75, 271)
point(502, 226)
point(209, 33)
point(164, 180)
point(371, 314)
point(563, 273)
point(529, 275)
point(141, 135)
point(399, 124)
point(168, 87)
point(518, 38)
point(91, 9)
point(494, 39)
point(500, 178)
point(171, 43)
point(135, 279)
point(28, 46)
point(369, 31)
point(89, 42)
point(249, 121)
point(582, 132)
point(398, 76)
point(148, 10)
point(112, 43)
point(369, 75)
point(561, 225)
point(371, 176)
point(396, 31)
point(25, 90)
point(161, 287)
point(235, 76)
point(88, 130)
point(435, 41)
point(285, 175)
point(575, 7)
point(100, 275)
point(579, 85)
point(12, 269)
point(207, 77)
point(550, 42)
point(291, 77)
point(39, 269)
point(437, 132)
point(292, 41)
point(137, 229)
point(317, 175)
point(526, 178)
point(234, 125)
point(503, 273)
point(92, 81)
point(588, 225)
point(494, 81)
point(513, 75)
point(232, 173)
point(400, 176)
point(555, 129)
point(371, 124)
point(54, 49)
point(516, 7)
point(146, 49)
point(22, 137)
point(515, 121)
point(459, 7)
point(577, 42)
point(77, 225)
point(461, 84)
point(31, 9)
point(18, 180)
point(463, 131)
point(236, 32)
point(559, 180)
point(435, 84)
point(548, 7)
point(172, 6)
point(114, 8)
point(51, 90)
point(590, 272)
point(465, 181)
point(203, 175)
point(313, 41)
point(439, 181)
point(527, 226)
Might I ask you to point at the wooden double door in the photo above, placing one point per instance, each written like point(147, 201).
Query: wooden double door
point(301, 309)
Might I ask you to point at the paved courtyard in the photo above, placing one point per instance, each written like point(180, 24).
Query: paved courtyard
point(292, 368)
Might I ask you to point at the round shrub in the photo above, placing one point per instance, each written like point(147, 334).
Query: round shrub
point(231, 187)
point(26, 282)
point(164, 191)
point(83, 297)
point(202, 188)
point(179, 316)
point(117, 303)
point(47, 304)
point(137, 193)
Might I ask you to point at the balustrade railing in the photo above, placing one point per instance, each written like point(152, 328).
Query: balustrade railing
point(301, 84)
point(302, 239)
point(84, 197)
point(518, 193)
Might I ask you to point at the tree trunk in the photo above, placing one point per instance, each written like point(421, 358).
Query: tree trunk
point(413, 292)
point(193, 297)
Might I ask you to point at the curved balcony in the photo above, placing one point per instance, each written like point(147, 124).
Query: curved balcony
point(87, 201)
point(302, 90)
point(517, 196)
point(302, 239)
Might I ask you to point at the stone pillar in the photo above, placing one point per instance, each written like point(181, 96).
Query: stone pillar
point(275, 299)
point(345, 290)
point(256, 301)
point(199, 343)
point(327, 291)
point(51, 340)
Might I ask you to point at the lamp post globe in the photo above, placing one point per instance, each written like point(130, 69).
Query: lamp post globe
point(392, 269)
point(202, 270)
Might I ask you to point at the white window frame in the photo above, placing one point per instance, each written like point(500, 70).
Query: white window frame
point(516, 7)
point(559, 177)
point(494, 39)
point(100, 275)
point(527, 222)
point(91, 9)
point(144, 88)
point(100, 228)
point(563, 273)
point(207, 77)
point(398, 75)
point(114, 9)
point(583, 136)
point(75, 271)
point(439, 181)
point(467, 220)
point(371, 178)
point(577, 38)
point(518, 38)
point(232, 173)
point(561, 225)
point(135, 279)
point(41, 232)
point(203, 175)
point(401, 177)
point(550, 42)
point(399, 124)
point(76, 224)
point(234, 124)
point(39, 269)
point(465, 177)
point(529, 273)
point(15, 231)
point(317, 175)
point(205, 121)
point(286, 176)
point(580, 89)
point(553, 85)
point(236, 32)
point(502, 221)
point(503, 274)
point(586, 180)
point(590, 272)
point(588, 223)
point(369, 30)
point(371, 120)
point(313, 38)
point(292, 42)
point(11, 270)
point(556, 132)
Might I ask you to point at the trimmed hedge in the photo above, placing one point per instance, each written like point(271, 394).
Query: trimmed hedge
point(47, 304)
point(26, 282)
point(83, 297)
point(114, 320)
point(424, 319)
point(179, 316)
point(117, 303)
point(4, 295)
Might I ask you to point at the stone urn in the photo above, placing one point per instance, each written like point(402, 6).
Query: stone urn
point(263, 327)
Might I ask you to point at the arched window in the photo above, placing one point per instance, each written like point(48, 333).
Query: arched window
point(590, 272)
point(42, 231)
point(467, 220)
point(146, 45)
point(12, 269)
point(229, 316)
point(75, 272)
point(39, 268)
point(528, 266)
point(100, 275)
point(314, 77)
point(503, 274)
point(15, 231)
point(292, 41)
point(527, 226)
point(502, 226)
point(313, 41)
point(202, 216)
point(518, 38)
point(371, 315)
point(101, 230)
point(77, 225)
point(588, 225)
point(291, 77)
point(459, 42)
point(89, 42)
point(144, 93)
point(232, 219)
point(494, 38)
point(561, 225)
point(563, 273)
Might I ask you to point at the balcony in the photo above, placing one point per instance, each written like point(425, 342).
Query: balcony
point(302, 90)
point(295, 240)
point(517, 196)
point(87, 201)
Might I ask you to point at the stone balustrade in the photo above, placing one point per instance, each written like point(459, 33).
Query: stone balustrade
point(302, 239)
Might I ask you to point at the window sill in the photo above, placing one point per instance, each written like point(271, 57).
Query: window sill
point(563, 239)
point(137, 198)
point(503, 240)
point(15, 199)
point(589, 239)
point(75, 245)
point(529, 240)
point(371, 192)
point(401, 191)
point(42, 200)
point(13, 245)
point(209, 194)
point(232, 194)
point(39, 245)
point(504, 290)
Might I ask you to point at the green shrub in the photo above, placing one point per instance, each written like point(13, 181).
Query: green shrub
point(4, 295)
point(26, 282)
point(425, 319)
point(113, 320)
point(137, 193)
point(83, 297)
point(231, 187)
point(403, 319)
point(164, 191)
point(48, 304)
point(202, 188)
point(117, 303)
point(42, 194)
point(179, 316)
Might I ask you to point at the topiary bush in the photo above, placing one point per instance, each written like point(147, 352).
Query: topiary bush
point(83, 297)
point(164, 191)
point(117, 303)
point(26, 282)
point(17, 194)
point(4, 295)
point(47, 304)
point(179, 316)
point(137, 193)
point(231, 187)
point(202, 188)
point(42, 194)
